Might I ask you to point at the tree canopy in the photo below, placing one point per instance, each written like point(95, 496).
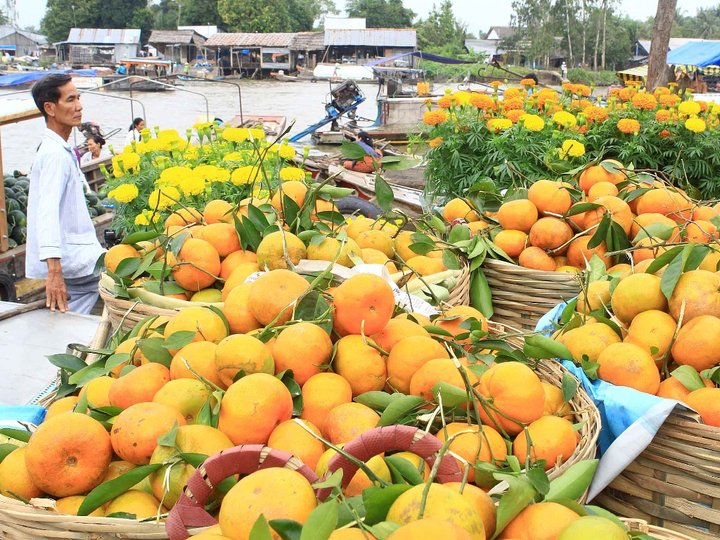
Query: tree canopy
point(272, 15)
point(381, 13)
point(61, 15)
point(441, 32)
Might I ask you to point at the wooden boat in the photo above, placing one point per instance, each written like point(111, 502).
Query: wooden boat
point(273, 126)
point(279, 76)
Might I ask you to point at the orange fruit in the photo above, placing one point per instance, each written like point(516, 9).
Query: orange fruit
point(61, 406)
point(274, 493)
point(396, 330)
point(514, 390)
point(217, 211)
point(207, 325)
point(67, 455)
point(595, 296)
point(237, 278)
point(234, 259)
point(601, 189)
point(637, 293)
point(200, 356)
point(618, 210)
point(579, 254)
point(273, 295)
point(241, 352)
point(597, 173)
point(459, 209)
point(291, 437)
point(407, 356)
point(223, 237)
point(550, 197)
point(482, 502)
point(589, 340)
point(699, 290)
point(701, 232)
point(363, 303)
point(118, 253)
point(555, 403)
point(539, 521)
point(426, 266)
point(672, 388)
point(626, 364)
point(650, 222)
point(279, 250)
point(652, 330)
point(549, 438)
point(252, 407)
point(436, 371)
point(237, 312)
point(187, 396)
point(706, 401)
point(70, 506)
point(697, 343)
point(376, 239)
point(294, 190)
point(474, 444)
point(321, 393)
point(550, 233)
point(137, 503)
point(518, 215)
point(512, 242)
point(182, 217)
point(97, 391)
point(348, 420)
point(452, 318)
point(197, 265)
point(15, 480)
point(537, 259)
point(135, 431)
point(667, 202)
point(332, 249)
point(360, 364)
point(350, 534)
point(430, 528)
point(305, 348)
point(138, 386)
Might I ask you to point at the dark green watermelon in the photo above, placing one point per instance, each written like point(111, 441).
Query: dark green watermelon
point(19, 234)
point(17, 217)
point(12, 204)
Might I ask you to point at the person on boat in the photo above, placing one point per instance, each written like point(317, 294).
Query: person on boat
point(95, 145)
point(371, 161)
point(62, 246)
point(134, 131)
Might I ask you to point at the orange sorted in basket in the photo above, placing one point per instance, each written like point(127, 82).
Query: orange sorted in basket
point(549, 438)
point(273, 296)
point(364, 303)
point(197, 265)
point(118, 253)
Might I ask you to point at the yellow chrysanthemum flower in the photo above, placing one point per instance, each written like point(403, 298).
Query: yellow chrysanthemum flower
point(571, 148)
point(532, 122)
point(564, 119)
point(292, 173)
point(245, 175)
point(286, 151)
point(173, 176)
point(124, 193)
point(696, 125)
point(689, 108)
point(192, 185)
point(163, 197)
point(212, 173)
point(499, 124)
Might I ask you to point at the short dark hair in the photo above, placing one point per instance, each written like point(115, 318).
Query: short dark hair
point(135, 123)
point(98, 139)
point(47, 90)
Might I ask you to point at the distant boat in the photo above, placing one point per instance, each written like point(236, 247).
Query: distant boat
point(343, 72)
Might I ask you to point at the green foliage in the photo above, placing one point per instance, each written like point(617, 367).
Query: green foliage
point(61, 15)
point(272, 15)
point(592, 78)
point(441, 32)
point(381, 13)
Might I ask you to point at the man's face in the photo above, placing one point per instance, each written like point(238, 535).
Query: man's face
point(68, 110)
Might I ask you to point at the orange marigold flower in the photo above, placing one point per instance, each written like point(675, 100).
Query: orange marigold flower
point(482, 101)
point(628, 126)
point(434, 143)
point(433, 118)
point(669, 100)
point(582, 90)
point(595, 114)
point(661, 91)
point(514, 115)
point(583, 129)
point(512, 104)
point(626, 93)
point(496, 84)
point(445, 102)
point(511, 93)
point(643, 100)
point(615, 91)
point(665, 133)
point(663, 115)
point(703, 105)
point(528, 82)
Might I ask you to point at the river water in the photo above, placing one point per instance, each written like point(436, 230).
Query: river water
point(301, 102)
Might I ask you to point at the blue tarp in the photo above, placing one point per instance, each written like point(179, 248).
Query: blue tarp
point(696, 53)
point(423, 56)
point(26, 77)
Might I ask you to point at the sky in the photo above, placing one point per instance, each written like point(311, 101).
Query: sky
point(477, 14)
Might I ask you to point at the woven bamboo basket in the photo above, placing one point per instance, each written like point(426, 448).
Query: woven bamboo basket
point(460, 295)
point(675, 482)
point(521, 296)
point(659, 533)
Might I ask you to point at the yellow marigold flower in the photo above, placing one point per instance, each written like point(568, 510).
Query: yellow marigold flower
point(528, 82)
point(512, 104)
point(514, 115)
point(141, 219)
point(645, 101)
point(146, 217)
point(234, 156)
point(124, 193)
point(499, 124)
point(192, 185)
point(202, 125)
point(434, 143)
point(571, 148)
point(482, 101)
point(245, 175)
point(669, 100)
point(169, 135)
point(628, 126)
point(696, 125)
point(661, 91)
point(564, 119)
point(511, 93)
point(286, 151)
point(445, 102)
point(131, 161)
point(292, 173)
point(163, 197)
point(462, 97)
point(662, 115)
point(532, 122)
point(212, 173)
point(689, 107)
point(234, 134)
point(172, 176)
point(433, 118)
point(191, 153)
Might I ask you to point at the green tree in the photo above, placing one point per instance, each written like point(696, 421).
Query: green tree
point(272, 15)
point(381, 13)
point(61, 15)
point(304, 13)
point(198, 12)
point(441, 32)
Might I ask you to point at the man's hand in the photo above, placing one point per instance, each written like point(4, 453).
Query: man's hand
point(55, 291)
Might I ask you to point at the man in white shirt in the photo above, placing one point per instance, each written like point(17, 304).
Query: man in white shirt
point(62, 245)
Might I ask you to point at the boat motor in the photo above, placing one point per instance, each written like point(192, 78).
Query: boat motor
point(344, 100)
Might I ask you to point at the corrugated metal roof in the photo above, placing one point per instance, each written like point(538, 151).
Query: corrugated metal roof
point(308, 41)
point(276, 39)
point(372, 37)
point(110, 36)
point(170, 37)
point(7, 30)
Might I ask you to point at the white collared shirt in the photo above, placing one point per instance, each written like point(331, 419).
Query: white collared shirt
point(58, 221)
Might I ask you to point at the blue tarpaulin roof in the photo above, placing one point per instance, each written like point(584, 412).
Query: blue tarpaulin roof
point(26, 77)
point(696, 53)
point(422, 55)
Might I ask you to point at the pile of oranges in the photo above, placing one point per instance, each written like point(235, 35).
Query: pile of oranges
point(552, 227)
point(224, 384)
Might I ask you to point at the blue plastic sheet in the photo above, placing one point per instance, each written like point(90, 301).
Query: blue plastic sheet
point(12, 415)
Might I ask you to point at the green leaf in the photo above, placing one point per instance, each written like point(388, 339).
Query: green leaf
point(286, 377)
point(451, 260)
point(147, 262)
point(333, 481)
point(321, 522)
point(217, 311)
point(140, 236)
point(168, 439)
point(352, 150)
point(421, 248)
point(88, 373)
point(168, 287)
point(260, 530)
point(115, 360)
point(178, 340)
point(597, 268)
point(407, 470)
point(657, 230)
point(398, 163)
point(547, 347)
point(351, 510)
point(68, 362)
point(579, 208)
point(459, 233)
point(155, 351)
point(383, 194)
point(383, 530)
point(672, 274)
point(569, 386)
point(128, 266)
point(539, 480)
point(600, 233)
point(520, 494)
point(375, 399)
point(480, 293)
point(663, 259)
point(432, 329)
point(287, 529)
point(6, 449)
point(399, 409)
point(378, 501)
point(177, 242)
point(17, 434)
point(590, 368)
point(314, 307)
point(573, 482)
point(290, 209)
point(451, 396)
point(107, 491)
point(689, 378)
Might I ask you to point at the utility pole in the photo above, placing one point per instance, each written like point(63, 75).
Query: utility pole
point(658, 70)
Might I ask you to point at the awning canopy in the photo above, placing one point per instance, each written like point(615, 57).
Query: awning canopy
point(421, 55)
point(696, 56)
point(633, 74)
